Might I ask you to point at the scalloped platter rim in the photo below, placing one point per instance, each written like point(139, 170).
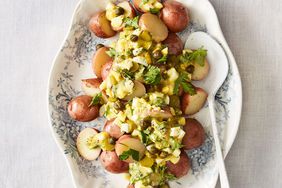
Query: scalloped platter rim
point(73, 62)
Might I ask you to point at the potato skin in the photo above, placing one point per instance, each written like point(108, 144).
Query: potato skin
point(174, 44)
point(106, 68)
point(194, 134)
point(175, 16)
point(111, 162)
point(181, 168)
point(99, 59)
point(79, 109)
point(113, 129)
point(98, 23)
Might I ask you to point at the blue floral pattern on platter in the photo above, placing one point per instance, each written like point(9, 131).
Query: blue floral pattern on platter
point(78, 53)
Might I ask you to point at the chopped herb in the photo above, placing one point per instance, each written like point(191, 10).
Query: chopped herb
point(131, 152)
point(132, 22)
point(198, 56)
point(144, 138)
point(152, 75)
point(183, 80)
point(127, 74)
point(162, 59)
point(96, 99)
point(154, 10)
point(144, 1)
point(111, 52)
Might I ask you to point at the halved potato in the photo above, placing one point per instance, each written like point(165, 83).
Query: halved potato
point(181, 168)
point(126, 143)
point(91, 86)
point(99, 59)
point(191, 104)
point(113, 129)
point(175, 16)
point(200, 72)
point(138, 91)
point(82, 146)
point(165, 114)
point(100, 26)
point(106, 68)
point(111, 162)
point(154, 25)
point(174, 44)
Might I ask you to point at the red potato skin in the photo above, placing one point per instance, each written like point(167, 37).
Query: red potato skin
point(194, 134)
point(113, 129)
point(175, 16)
point(111, 162)
point(181, 168)
point(92, 82)
point(96, 27)
point(79, 109)
point(106, 68)
point(130, 186)
point(100, 52)
point(174, 44)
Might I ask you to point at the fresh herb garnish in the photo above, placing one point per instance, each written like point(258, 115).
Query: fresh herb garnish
point(111, 52)
point(132, 22)
point(162, 59)
point(131, 152)
point(154, 10)
point(152, 75)
point(144, 137)
point(183, 80)
point(198, 56)
point(145, 1)
point(127, 74)
point(96, 99)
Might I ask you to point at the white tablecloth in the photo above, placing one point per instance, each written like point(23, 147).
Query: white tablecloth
point(31, 32)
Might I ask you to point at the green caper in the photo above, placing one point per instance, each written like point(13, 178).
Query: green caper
point(157, 54)
point(190, 69)
point(98, 46)
point(119, 11)
point(152, 149)
point(163, 154)
point(134, 38)
point(112, 141)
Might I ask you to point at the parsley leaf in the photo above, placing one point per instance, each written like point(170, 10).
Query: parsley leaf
point(188, 88)
point(111, 52)
point(127, 74)
point(132, 22)
point(152, 75)
point(163, 59)
point(198, 56)
point(144, 137)
point(183, 80)
point(154, 10)
point(131, 152)
point(96, 99)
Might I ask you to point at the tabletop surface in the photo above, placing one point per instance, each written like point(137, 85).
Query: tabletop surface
point(31, 32)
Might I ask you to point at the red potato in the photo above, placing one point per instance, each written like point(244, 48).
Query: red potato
point(174, 44)
point(99, 59)
point(126, 143)
point(165, 114)
point(82, 147)
point(191, 104)
point(181, 168)
point(194, 134)
point(154, 25)
point(200, 72)
point(138, 91)
point(79, 109)
point(91, 87)
point(100, 26)
point(113, 129)
point(175, 16)
point(106, 68)
point(111, 162)
point(129, 12)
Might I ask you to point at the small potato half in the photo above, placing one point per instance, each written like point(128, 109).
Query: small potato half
point(99, 60)
point(106, 68)
point(111, 162)
point(175, 16)
point(79, 109)
point(113, 129)
point(194, 134)
point(100, 26)
point(200, 72)
point(181, 168)
point(174, 44)
point(138, 91)
point(154, 25)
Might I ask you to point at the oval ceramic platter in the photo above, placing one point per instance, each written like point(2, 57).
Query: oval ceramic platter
point(73, 63)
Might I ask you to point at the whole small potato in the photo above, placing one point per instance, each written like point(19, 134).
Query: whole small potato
point(79, 109)
point(194, 134)
point(174, 44)
point(181, 168)
point(175, 16)
point(113, 129)
point(100, 26)
point(106, 68)
point(111, 162)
